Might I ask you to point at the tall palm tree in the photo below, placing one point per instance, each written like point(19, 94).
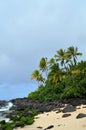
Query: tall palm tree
point(54, 76)
point(43, 65)
point(73, 54)
point(36, 75)
point(62, 57)
point(51, 62)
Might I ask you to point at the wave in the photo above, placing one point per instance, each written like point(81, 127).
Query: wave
point(5, 109)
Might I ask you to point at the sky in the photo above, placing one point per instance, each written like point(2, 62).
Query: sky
point(32, 29)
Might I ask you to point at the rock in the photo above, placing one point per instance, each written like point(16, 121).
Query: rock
point(58, 111)
point(80, 115)
point(39, 127)
point(66, 115)
point(69, 108)
point(3, 103)
point(49, 127)
point(27, 103)
point(2, 122)
point(74, 101)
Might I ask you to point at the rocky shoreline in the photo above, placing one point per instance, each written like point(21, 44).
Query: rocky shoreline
point(24, 109)
point(26, 103)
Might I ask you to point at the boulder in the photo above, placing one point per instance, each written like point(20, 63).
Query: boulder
point(80, 115)
point(66, 115)
point(49, 127)
point(69, 108)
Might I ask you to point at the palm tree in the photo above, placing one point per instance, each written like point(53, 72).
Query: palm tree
point(51, 62)
point(73, 54)
point(62, 57)
point(43, 65)
point(36, 75)
point(82, 67)
point(54, 76)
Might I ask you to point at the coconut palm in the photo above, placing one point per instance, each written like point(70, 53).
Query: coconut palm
point(51, 62)
point(73, 54)
point(62, 57)
point(43, 65)
point(36, 75)
point(80, 68)
point(54, 75)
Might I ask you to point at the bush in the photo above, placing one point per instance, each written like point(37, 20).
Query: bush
point(75, 87)
point(72, 86)
point(30, 121)
point(6, 126)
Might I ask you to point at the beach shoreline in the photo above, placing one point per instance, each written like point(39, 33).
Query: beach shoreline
point(56, 120)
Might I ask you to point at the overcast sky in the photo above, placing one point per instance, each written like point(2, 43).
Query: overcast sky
point(31, 29)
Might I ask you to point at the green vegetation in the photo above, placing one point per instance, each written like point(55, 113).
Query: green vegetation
point(64, 77)
point(19, 119)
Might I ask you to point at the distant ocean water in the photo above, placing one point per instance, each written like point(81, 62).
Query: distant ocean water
point(8, 92)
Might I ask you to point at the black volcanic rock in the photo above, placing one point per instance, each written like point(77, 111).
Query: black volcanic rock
point(27, 103)
point(66, 115)
point(74, 101)
point(49, 127)
point(69, 108)
point(80, 115)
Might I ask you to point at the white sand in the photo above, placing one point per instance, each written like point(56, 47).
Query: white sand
point(53, 118)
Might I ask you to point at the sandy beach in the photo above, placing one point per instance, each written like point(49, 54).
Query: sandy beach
point(56, 121)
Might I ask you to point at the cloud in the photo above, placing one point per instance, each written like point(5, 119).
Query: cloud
point(30, 30)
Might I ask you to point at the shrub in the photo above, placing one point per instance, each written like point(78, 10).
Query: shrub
point(30, 121)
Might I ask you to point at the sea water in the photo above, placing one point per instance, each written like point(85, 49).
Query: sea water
point(4, 110)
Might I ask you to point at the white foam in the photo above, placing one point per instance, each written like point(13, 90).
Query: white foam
point(6, 119)
point(4, 109)
point(7, 107)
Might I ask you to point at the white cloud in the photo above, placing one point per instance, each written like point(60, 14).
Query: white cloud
point(32, 29)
